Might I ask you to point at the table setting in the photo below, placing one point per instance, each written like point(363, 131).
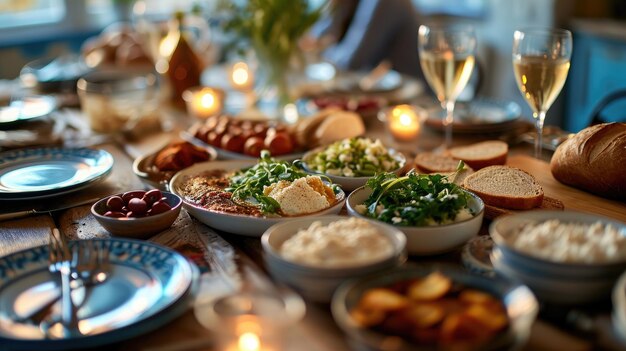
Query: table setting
point(274, 202)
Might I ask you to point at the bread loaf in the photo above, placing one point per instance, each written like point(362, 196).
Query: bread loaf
point(594, 160)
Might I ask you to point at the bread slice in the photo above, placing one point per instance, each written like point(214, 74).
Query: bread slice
point(337, 126)
point(481, 155)
point(429, 162)
point(506, 187)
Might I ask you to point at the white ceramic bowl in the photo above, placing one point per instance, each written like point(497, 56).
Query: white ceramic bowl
point(520, 304)
point(350, 183)
point(554, 289)
point(550, 280)
point(319, 283)
point(430, 240)
point(236, 223)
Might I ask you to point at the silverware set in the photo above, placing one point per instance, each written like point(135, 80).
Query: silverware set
point(80, 269)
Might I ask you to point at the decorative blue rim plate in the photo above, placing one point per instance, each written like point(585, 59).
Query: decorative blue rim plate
point(43, 172)
point(148, 285)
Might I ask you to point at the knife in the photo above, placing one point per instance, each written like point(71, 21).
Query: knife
point(20, 214)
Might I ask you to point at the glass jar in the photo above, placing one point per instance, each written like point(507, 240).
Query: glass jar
point(117, 100)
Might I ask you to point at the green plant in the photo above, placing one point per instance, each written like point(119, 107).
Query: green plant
point(272, 29)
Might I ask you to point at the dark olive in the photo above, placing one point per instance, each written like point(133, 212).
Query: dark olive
point(115, 203)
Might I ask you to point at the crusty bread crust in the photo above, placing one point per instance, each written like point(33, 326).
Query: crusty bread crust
point(594, 160)
point(508, 199)
point(481, 155)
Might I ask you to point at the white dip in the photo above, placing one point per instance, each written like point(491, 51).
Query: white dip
point(344, 243)
point(571, 242)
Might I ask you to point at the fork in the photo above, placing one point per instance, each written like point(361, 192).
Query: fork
point(90, 265)
point(59, 263)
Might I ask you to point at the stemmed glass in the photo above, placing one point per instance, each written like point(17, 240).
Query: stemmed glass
point(541, 60)
point(447, 60)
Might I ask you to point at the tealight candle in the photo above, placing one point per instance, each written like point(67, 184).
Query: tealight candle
point(241, 77)
point(403, 122)
point(204, 102)
point(251, 321)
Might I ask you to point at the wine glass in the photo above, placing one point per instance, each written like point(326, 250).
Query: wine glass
point(541, 60)
point(447, 60)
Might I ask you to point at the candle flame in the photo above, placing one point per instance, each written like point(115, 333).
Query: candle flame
point(249, 342)
point(207, 100)
point(406, 120)
point(240, 74)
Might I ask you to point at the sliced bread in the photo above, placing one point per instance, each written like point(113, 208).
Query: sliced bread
point(429, 162)
point(483, 154)
point(506, 187)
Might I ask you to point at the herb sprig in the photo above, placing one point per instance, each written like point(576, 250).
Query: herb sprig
point(415, 199)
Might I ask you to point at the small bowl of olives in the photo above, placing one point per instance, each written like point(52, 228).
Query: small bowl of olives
point(138, 213)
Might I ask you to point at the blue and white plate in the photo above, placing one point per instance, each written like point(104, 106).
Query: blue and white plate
point(44, 172)
point(147, 286)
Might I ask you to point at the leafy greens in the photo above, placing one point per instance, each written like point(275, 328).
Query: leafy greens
point(250, 183)
point(415, 199)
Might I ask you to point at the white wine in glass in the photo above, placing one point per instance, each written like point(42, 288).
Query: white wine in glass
point(541, 61)
point(447, 60)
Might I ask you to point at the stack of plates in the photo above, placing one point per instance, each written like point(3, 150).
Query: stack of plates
point(44, 172)
point(477, 116)
point(147, 286)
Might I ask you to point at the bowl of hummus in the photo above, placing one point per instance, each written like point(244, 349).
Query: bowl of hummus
point(314, 255)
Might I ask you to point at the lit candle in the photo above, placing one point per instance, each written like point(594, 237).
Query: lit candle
point(241, 78)
point(403, 122)
point(204, 102)
point(252, 335)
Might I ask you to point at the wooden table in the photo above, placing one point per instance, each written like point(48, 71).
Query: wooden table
point(234, 262)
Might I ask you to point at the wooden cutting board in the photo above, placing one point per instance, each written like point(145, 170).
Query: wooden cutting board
point(572, 198)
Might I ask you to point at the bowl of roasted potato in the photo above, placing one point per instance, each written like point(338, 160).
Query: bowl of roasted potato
point(434, 308)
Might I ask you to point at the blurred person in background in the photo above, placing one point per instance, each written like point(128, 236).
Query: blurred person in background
point(360, 34)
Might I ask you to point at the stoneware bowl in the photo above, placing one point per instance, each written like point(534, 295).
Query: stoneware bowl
point(319, 283)
point(430, 240)
point(139, 228)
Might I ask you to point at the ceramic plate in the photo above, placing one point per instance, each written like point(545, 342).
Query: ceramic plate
point(230, 155)
point(349, 82)
point(234, 223)
point(478, 116)
point(145, 168)
point(43, 172)
point(145, 283)
point(29, 108)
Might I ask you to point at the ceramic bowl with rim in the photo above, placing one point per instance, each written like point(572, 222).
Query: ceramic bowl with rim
point(144, 168)
point(430, 240)
point(319, 283)
point(551, 280)
point(350, 183)
point(619, 309)
point(236, 223)
point(519, 302)
point(139, 228)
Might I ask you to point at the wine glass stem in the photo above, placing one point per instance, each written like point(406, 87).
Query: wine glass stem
point(447, 122)
point(539, 118)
